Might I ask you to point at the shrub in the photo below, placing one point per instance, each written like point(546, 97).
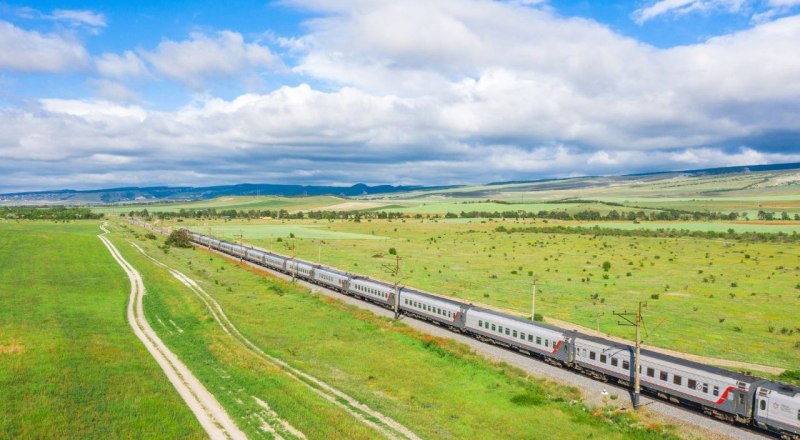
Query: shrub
point(655, 296)
point(538, 317)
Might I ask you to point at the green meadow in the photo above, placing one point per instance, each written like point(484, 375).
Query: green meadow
point(435, 387)
point(716, 297)
point(70, 365)
point(245, 203)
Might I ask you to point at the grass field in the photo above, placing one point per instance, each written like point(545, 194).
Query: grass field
point(248, 231)
point(717, 298)
point(437, 388)
point(232, 202)
point(70, 366)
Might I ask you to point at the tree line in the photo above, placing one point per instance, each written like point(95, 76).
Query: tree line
point(48, 213)
point(778, 237)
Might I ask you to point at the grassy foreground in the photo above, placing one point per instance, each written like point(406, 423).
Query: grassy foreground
point(718, 298)
point(70, 366)
point(437, 388)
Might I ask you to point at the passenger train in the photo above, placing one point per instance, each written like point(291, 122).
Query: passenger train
point(726, 395)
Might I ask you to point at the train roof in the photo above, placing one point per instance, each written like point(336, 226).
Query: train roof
point(520, 320)
point(747, 378)
point(435, 297)
point(783, 388)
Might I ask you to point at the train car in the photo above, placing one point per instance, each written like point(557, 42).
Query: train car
point(254, 255)
point(300, 269)
point(331, 278)
point(433, 308)
point(546, 341)
point(726, 395)
point(274, 261)
point(777, 409)
point(372, 290)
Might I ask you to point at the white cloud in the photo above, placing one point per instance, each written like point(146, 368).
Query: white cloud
point(679, 7)
point(477, 91)
point(118, 66)
point(202, 56)
point(79, 17)
point(31, 51)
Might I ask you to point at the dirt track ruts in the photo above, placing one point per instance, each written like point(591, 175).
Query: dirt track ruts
point(378, 421)
point(211, 415)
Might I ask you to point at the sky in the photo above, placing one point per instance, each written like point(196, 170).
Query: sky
point(337, 92)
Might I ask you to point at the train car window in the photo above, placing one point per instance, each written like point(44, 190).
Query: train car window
point(741, 399)
point(614, 362)
point(626, 365)
point(692, 384)
point(651, 372)
point(705, 388)
point(539, 340)
point(522, 336)
point(603, 358)
point(514, 333)
point(493, 327)
point(592, 355)
point(530, 338)
point(677, 380)
point(546, 342)
point(664, 376)
point(480, 323)
point(762, 405)
point(507, 331)
point(500, 328)
point(716, 391)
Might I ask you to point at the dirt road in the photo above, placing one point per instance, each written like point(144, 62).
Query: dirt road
point(211, 415)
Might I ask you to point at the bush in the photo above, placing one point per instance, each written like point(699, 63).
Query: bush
point(538, 317)
point(791, 376)
point(150, 235)
point(179, 239)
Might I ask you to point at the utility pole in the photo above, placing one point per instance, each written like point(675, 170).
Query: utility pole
point(291, 247)
point(241, 246)
point(533, 300)
point(635, 320)
point(394, 270)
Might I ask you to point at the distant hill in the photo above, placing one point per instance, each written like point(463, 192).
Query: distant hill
point(164, 193)
point(694, 173)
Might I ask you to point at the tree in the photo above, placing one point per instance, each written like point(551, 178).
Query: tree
point(606, 265)
point(179, 239)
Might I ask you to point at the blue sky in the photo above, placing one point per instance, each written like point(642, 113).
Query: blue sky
point(99, 94)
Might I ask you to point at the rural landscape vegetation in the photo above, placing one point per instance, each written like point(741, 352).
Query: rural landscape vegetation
point(404, 220)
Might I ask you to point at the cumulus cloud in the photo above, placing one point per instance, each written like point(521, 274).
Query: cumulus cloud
point(224, 54)
point(118, 66)
point(679, 7)
point(476, 91)
point(31, 51)
point(79, 17)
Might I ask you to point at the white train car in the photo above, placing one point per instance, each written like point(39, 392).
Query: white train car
point(521, 334)
point(372, 290)
point(300, 269)
point(433, 308)
point(274, 261)
point(724, 394)
point(777, 409)
point(331, 278)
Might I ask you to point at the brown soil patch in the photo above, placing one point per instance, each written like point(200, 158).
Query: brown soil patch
point(12, 348)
